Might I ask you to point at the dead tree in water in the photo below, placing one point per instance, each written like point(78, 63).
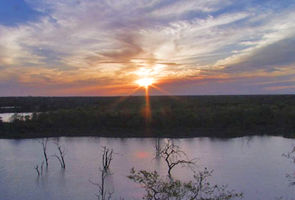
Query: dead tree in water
point(39, 172)
point(102, 194)
point(107, 157)
point(37, 169)
point(44, 142)
point(158, 147)
point(291, 156)
point(60, 156)
point(172, 154)
point(104, 171)
point(42, 164)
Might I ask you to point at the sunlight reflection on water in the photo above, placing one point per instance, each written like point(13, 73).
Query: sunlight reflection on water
point(252, 165)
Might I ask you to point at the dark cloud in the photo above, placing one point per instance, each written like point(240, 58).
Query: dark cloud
point(230, 85)
point(268, 58)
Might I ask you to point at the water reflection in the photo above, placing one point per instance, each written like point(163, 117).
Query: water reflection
point(167, 187)
point(104, 189)
point(158, 147)
point(8, 117)
point(251, 165)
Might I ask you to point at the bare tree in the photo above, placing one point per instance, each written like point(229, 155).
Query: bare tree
point(107, 157)
point(42, 166)
point(37, 170)
point(102, 194)
point(44, 142)
point(104, 171)
point(60, 156)
point(172, 154)
point(291, 156)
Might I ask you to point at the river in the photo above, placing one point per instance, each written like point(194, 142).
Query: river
point(252, 165)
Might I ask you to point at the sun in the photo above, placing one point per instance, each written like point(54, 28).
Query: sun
point(145, 82)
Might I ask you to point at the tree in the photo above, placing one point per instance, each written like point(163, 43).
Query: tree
point(104, 171)
point(199, 188)
point(172, 154)
point(107, 157)
point(60, 156)
point(39, 172)
point(291, 156)
point(44, 142)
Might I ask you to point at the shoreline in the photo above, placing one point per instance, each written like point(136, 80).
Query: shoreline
point(222, 134)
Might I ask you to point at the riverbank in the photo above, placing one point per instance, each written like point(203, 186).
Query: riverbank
point(31, 129)
point(213, 133)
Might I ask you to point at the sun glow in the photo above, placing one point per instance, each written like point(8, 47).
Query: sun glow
point(145, 82)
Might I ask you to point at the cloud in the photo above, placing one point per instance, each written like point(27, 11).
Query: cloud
point(268, 58)
point(109, 41)
point(226, 85)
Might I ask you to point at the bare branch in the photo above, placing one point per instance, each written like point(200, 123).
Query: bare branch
point(37, 170)
point(291, 156)
point(60, 156)
point(172, 155)
point(44, 142)
point(42, 165)
point(106, 158)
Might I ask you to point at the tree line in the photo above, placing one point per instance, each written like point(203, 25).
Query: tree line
point(220, 116)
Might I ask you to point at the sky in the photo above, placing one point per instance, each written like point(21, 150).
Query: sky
point(188, 47)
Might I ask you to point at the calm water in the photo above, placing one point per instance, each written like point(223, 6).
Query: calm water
point(6, 117)
point(252, 165)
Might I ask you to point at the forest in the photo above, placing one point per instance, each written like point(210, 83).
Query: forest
point(160, 116)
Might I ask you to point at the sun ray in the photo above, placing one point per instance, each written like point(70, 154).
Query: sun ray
point(161, 90)
point(123, 98)
point(165, 92)
point(148, 113)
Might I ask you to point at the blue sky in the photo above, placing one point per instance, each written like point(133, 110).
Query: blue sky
point(14, 12)
point(190, 47)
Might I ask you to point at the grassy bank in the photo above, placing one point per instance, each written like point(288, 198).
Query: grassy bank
point(182, 116)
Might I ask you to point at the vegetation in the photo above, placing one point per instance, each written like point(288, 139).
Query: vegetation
point(172, 154)
point(169, 188)
point(185, 116)
point(60, 157)
point(159, 188)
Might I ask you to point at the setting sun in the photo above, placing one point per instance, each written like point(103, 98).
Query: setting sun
point(145, 82)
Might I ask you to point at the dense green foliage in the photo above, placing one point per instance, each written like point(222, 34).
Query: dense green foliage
point(183, 116)
point(42, 104)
